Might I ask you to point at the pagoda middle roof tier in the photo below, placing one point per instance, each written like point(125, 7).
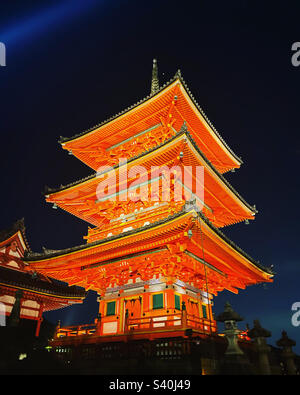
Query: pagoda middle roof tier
point(176, 239)
point(225, 205)
point(172, 104)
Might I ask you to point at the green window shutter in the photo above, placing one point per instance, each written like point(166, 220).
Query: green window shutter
point(204, 311)
point(111, 308)
point(177, 302)
point(158, 301)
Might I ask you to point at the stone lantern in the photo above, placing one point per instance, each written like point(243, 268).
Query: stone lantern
point(234, 362)
point(259, 334)
point(287, 354)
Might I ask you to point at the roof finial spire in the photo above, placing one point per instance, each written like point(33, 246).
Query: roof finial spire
point(154, 81)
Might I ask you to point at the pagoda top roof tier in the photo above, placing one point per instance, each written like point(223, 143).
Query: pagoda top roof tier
point(226, 205)
point(168, 106)
point(186, 234)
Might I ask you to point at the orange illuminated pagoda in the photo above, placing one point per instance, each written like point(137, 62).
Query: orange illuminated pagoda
point(154, 252)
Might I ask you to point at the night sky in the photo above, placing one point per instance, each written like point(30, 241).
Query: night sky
point(72, 64)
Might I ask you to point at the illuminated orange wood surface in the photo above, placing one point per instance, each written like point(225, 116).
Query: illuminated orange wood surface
point(224, 206)
point(166, 248)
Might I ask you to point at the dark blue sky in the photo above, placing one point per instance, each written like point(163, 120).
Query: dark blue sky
point(72, 64)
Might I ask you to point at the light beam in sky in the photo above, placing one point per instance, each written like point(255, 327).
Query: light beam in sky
point(45, 19)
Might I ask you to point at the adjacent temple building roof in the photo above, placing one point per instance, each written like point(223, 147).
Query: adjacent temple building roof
point(17, 226)
point(37, 284)
point(17, 274)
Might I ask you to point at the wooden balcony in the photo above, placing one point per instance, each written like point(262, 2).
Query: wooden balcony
point(76, 330)
point(171, 322)
point(150, 324)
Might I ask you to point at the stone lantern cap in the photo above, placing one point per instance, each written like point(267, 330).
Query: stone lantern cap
point(258, 331)
point(285, 341)
point(229, 314)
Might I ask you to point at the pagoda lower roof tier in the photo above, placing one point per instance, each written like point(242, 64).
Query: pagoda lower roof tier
point(166, 109)
point(185, 247)
point(222, 203)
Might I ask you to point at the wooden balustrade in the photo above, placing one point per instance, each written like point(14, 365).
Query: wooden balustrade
point(202, 324)
point(76, 330)
point(173, 321)
point(152, 323)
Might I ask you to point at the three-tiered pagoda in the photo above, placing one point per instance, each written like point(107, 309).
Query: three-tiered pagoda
point(156, 257)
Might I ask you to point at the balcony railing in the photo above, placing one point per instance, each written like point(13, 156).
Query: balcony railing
point(76, 330)
point(171, 322)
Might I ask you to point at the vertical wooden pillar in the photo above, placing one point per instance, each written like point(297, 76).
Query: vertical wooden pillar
point(102, 307)
point(57, 329)
point(146, 300)
point(39, 321)
point(170, 305)
point(14, 317)
point(199, 306)
point(98, 324)
point(209, 310)
point(183, 315)
point(121, 312)
point(126, 330)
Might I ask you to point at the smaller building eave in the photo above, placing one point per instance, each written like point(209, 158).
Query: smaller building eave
point(23, 280)
point(18, 227)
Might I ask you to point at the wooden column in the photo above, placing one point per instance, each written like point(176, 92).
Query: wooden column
point(57, 329)
point(119, 312)
point(39, 320)
point(98, 324)
point(170, 305)
point(146, 300)
point(183, 315)
point(14, 317)
point(126, 330)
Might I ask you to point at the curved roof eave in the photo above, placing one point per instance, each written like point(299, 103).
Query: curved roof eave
point(179, 77)
point(183, 130)
point(31, 257)
point(17, 226)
